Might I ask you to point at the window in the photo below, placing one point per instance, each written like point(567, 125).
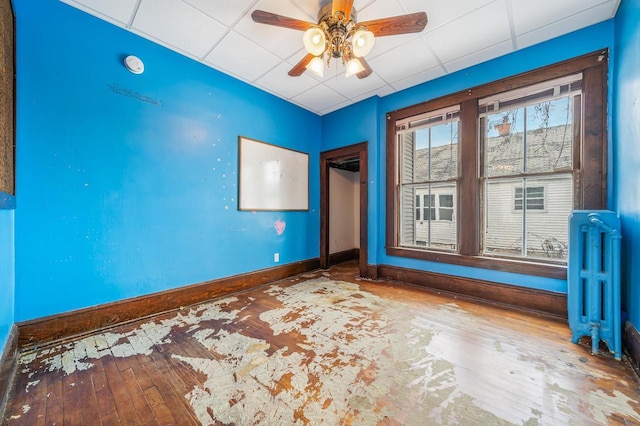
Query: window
point(445, 211)
point(535, 198)
point(428, 147)
point(493, 172)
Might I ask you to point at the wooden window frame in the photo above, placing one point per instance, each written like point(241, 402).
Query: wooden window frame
point(590, 191)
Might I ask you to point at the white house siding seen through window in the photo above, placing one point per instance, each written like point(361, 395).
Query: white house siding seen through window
point(428, 147)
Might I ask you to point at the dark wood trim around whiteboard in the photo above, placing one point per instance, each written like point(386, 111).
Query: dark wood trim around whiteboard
point(68, 324)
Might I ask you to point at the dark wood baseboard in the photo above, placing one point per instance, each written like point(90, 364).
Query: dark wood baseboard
point(7, 367)
point(631, 343)
point(78, 322)
point(372, 272)
point(344, 256)
point(537, 301)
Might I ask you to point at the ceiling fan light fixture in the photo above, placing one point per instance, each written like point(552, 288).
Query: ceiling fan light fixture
point(339, 35)
point(316, 66)
point(353, 67)
point(314, 41)
point(362, 42)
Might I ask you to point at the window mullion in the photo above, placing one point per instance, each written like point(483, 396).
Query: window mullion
point(468, 204)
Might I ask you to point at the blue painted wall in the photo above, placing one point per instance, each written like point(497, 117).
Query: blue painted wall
point(626, 135)
point(556, 50)
point(127, 184)
point(362, 127)
point(7, 279)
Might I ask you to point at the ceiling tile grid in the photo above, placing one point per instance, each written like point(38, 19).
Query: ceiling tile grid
point(221, 34)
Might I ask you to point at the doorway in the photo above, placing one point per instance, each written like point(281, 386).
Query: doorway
point(348, 158)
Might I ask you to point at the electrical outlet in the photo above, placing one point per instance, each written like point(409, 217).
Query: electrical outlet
point(276, 257)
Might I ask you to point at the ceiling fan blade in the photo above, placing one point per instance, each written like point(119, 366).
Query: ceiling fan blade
point(403, 24)
point(301, 66)
point(269, 18)
point(343, 6)
point(367, 69)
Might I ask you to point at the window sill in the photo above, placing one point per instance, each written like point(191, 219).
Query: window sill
point(493, 263)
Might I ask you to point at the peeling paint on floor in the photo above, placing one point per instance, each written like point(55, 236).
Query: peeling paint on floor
point(336, 354)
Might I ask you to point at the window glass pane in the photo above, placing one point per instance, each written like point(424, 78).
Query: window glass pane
point(446, 214)
point(407, 154)
point(446, 200)
point(547, 218)
point(428, 155)
point(437, 152)
point(504, 143)
point(430, 207)
point(538, 232)
point(433, 231)
point(408, 199)
point(549, 136)
point(503, 225)
point(543, 130)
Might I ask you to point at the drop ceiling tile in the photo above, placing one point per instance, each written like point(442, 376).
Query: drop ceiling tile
point(380, 9)
point(241, 57)
point(528, 16)
point(334, 108)
point(282, 42)
point(118, 12)
point(310, 8)
point(394, 65)
point(178, 24)
point(441, 12)
point(380, 92)
point(483, 27)
point(419, 78)
point(278, 82)
point(387, 43)
point(352, 87)
point(223, 11)
point(479, 56)
point(581, 20)
point(319, 98)
point(385, 9)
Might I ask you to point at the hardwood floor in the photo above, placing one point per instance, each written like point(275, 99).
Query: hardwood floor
point(326, 347)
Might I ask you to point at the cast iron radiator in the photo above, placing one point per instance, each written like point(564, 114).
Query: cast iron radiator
point(593, 278)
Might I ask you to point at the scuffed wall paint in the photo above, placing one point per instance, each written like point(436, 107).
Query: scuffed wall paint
point(128, 183)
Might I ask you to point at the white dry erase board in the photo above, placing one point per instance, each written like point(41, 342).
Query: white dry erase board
point(271, 177)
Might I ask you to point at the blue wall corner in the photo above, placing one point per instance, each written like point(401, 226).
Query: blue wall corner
point(7, 277)
point(626, 150)
point(7, 201)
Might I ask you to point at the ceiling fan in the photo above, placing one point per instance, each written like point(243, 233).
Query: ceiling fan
point(338, 34)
